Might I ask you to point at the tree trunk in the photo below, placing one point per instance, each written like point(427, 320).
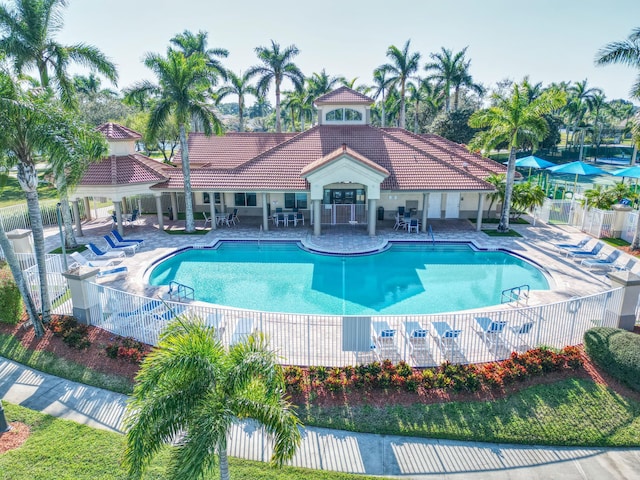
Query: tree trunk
point(503, 226)
point(581, 146)
point(224, 463)
point(69, 235)
point(456, 98)
point(278, 124)
point(190, 225)
point(415, 118)
point(383, 120)
point(14, 265)
point(240, 112)
point(402, 107)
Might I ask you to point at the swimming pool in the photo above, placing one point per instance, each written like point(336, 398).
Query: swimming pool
point(405, 279)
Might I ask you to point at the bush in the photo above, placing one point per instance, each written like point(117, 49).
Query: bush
point(617, 352)
point(10, 299)
point(128, 349)
point(73, 334)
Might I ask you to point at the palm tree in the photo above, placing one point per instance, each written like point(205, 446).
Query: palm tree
point(579, 103)
point(189, 43)
point(238, 85)
point(319, 84)
point(29, 42)
point(527, 196)
point(32, 124)
point(416, 95)
point(298, 102)
point(402, 66)
point(381, 83)
point(497, 180)
point(446, 68)
point(516, 121)
point(184, 84)
point(463, 79)
point(276, 66)
point(190, 385)
point(626, 52)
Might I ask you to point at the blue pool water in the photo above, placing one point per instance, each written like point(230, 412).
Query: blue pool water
point(405, 279)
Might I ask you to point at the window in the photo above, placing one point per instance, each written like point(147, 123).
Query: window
point(206, 199)
point(245, 200)
point(295, 200)
point(343, 115)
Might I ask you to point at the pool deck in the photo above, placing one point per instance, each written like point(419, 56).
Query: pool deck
point(567, 278)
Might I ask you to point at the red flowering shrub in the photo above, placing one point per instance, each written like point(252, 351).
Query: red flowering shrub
point(128, 349)
point(73, 334)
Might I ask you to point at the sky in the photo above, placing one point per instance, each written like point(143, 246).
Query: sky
point(548, 40)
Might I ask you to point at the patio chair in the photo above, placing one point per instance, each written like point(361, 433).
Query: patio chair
point(229, 220)
point(279, 210)
point(522, 334)
point(244, 328)
point(290, 218)
point(235, 216)
point(413, 225)
point(299, 218)
point(447, 338)
point(146, 308)
point(207, 219)
point(169, 314)
point(605, 263)
point(102, 254)
point(384, 340)
point(491, 331)
point(399, 222)
point(581, 254)
point(572, 246)
point(417, 340)
point(126, 247)
point(82, 260)
point(278, 219)
point(121, 239)
point(400, 211)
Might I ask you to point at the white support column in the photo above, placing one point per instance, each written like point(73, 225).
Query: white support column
point(159, 211)
point(76, 215)
point(174, 206)
point(212, 210)
point(265, 213)
point(425, 211)
point(372, 217)
point(87, 208)
point(316, 218)
point(223, 209)
point(480, 211)
point(117, 206)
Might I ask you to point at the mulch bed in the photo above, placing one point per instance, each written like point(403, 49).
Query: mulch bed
point(15, 437)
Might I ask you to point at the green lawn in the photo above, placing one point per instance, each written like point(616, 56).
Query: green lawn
point(61, 450)
point(13, 194)
point(495, 233)
point(571, 412)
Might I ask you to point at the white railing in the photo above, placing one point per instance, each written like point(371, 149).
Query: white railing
point(629, 229)
point(343, 214)
point(17, 216)
point(598, 223)
point(336, 341)
point(57, 284)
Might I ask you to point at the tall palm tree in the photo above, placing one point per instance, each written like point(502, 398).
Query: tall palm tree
point(276, 65)
point(445, 68)
point(626, 52)
point(402, 66)
point(300, 103)
point(238, 85)
point(34, 126)
point(416, 95)
point(29, 41)
point(192, 386)
point(516, 121)
point(381, 83)
point(462, 79)
point(190, 43)
point(184, 85)
point(579, 104)
point(319, 84)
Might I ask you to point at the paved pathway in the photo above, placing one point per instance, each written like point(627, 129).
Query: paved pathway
point(323, 449)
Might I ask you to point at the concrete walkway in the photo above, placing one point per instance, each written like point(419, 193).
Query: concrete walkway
point(333, 450)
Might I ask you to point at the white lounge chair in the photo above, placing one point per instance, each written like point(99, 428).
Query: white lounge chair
point(417, 340)
point(82, 260)
point(491, 331)
point(605, 263)
point(447, 338)
point(244, 328)
point(384, 340)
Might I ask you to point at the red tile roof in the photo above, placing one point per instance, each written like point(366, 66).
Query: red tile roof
point(230, 150)
point(114, 131)
point(414, 162)
point(344, 96)
point(338, 153)
point(125, 170)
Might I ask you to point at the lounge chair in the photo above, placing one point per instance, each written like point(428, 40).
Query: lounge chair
point(447, 338)
point(417, 340)
point(120, 239)
point(384, 339)
point(579, 254)
point(146, 308)
point(102, 254)
point(491, 330)
point(244, 328)
point(126, 247)
point(235, 216)
point(572, 246)
point(207, 218)
point(606, 262)
point(82, 260)
point(522, 333)
point(169, 314)
point(112, 271)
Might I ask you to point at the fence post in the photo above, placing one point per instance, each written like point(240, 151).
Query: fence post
point(631, 284)
point(21, 240)
point(78, 278)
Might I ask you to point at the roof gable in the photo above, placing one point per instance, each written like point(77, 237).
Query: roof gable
point(340, 153)
point(115, 131)
point(344, 96)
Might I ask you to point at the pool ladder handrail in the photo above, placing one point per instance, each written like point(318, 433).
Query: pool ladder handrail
point(180, 291)
point(433, 239)
point(516, 294)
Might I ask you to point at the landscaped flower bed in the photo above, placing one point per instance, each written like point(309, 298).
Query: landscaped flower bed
point(456, 378)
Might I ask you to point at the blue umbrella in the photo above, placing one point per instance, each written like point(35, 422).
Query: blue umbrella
point(533, 162)
point(577, 168)
point(631, 172)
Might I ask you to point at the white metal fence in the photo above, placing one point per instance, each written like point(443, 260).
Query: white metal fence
point(336, 341)
point(56, 283)
point(17, 216)
point(332, 214)
point(598, 223)
point(629, 229)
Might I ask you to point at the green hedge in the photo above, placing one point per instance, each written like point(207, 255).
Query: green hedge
point(10, 299)
point(617, 351)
